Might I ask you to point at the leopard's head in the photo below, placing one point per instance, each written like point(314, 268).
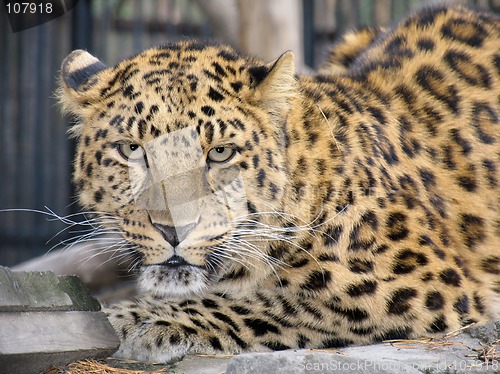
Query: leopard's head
point(182, 149)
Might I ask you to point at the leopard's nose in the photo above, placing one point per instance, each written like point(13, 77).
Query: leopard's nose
point(168, 233)
point(174, 234)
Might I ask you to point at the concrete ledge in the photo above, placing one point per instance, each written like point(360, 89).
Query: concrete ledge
point(47, 320)
point(42, 290)
point(459, 355)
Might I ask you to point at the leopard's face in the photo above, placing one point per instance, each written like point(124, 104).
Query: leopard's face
point(182, 157)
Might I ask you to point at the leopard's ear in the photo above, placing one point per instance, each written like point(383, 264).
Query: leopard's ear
point(78, 70)
point(274, 84)
point(79, 84)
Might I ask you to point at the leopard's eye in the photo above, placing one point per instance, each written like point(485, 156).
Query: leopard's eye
point(220, 154)
point(131, 151)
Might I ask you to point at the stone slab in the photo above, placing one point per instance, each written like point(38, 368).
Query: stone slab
point(30, 332)
point(34, 341)
point(43, 290)
point(458, 356)
point(485, 333)
point(374, 359)
point(12, 296)
point(47, 321)
point(78, 293)
point(200, 365)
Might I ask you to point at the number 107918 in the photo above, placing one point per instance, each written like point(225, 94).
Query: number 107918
point(32, 8)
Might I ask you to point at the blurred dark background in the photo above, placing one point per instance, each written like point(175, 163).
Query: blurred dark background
point(35, 154)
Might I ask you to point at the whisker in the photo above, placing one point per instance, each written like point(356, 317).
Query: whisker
point(245, 238)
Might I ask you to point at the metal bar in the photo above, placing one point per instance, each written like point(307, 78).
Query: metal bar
point(309, 32)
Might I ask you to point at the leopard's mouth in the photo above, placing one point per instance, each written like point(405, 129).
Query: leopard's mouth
point(175, 261)
point(174, 278)
point(177, 276)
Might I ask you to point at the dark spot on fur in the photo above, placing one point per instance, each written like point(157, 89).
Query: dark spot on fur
point(139, 107)
point(317, 280)
point(99, 194)
point(361, 330)
point(188, 330)
point(238, 309)
point(159, 341)
point(89, 170)
point(208, 110)
point(433, 81)
point(479, 304)
point(275, 345)
point(426, 277)
point(299, 263)
point(174, 338)
point(261, 177)
point(407, 260)
point(142, 125)
point(425, 44)
point(335, 343)
point(241, 343)
point(427, 177)
point(491, 264)
point(366, 287)
point(474, 74)
point(227, 55)
point(302, 341)
point(439, 324)
point(472, 230)
point(210, 304)
point(467, 183)
point(328, 257)
point(465, 31)
point(403, 332)
point(214, 95)
point(236, 86)
point(397, 226)
point(461, 305)
point(226, 319)
point(360, 266)
point(215, 343)
point(451, 277)
point(483, 116)
point(257, 74)
point(352, 314)
point(235, 274)
point(332, 235)
point(260, 327)
point(434, 300)
point(399, 302)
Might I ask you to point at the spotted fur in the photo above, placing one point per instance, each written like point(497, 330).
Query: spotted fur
point(370, 198)
point(350, 46)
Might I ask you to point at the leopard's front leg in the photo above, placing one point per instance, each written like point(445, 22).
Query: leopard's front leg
point(162, 331)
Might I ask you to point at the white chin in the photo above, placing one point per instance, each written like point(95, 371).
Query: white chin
point(165, 282)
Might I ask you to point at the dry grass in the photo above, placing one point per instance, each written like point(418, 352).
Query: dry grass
point(328, 350)
point(215, 355)
point(94, 367)
point(430, 343)
point(488, 353)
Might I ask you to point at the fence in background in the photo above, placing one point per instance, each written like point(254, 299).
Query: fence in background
point(35, 154)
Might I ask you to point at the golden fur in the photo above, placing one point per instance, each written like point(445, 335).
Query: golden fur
point(370, 194)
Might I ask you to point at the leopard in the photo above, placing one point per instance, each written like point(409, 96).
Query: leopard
point(348, 48)
point(275, 211)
